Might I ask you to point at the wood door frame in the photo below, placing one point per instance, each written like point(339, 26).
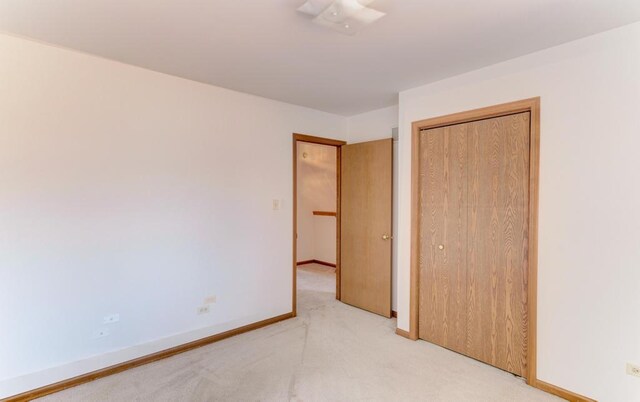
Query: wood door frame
point(531, 105)
point(322, 141)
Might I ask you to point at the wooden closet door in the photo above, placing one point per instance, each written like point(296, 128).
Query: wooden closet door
point(497, 259)
point(443, 236)
point(473, 239)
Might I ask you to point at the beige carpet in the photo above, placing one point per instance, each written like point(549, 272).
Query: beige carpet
point(331, 352)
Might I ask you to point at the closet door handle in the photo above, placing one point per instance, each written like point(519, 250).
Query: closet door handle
point(441, 247)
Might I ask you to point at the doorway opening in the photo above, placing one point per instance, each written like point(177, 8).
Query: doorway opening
point(316, 213)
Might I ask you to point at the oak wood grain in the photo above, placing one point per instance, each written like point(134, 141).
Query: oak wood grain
point(531, 105)
point(532, 291)
point(498, 241)
point(443, 245)
point(473, 239)
point(366, 198)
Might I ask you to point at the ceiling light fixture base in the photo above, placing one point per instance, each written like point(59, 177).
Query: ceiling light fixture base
point(345, 16)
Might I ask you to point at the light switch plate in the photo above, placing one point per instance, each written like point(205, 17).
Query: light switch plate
point(276, 205)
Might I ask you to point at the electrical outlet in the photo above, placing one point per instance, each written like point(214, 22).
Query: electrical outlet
point(203, 309)
point(632, 369)
point(101, 333)
point(110, 319)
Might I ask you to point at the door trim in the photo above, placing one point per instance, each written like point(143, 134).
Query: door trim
point(531, 105)
point(322, 141)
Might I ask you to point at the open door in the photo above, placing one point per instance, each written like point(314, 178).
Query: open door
point(365, 231)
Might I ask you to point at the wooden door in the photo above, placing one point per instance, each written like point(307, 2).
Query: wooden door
point(365, 230)
point(443, 201)
point(474, 200)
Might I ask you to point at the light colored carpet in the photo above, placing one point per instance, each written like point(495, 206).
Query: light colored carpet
point(330, 352)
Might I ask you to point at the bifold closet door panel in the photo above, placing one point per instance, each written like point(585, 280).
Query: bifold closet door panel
point(443, 236)
point(497, 258)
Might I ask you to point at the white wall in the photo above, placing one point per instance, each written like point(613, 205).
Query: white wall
point(128, 191)
point(373, 125)
point(324, 234)
point(317, 190)
point(589, 248)
point(376, 125)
